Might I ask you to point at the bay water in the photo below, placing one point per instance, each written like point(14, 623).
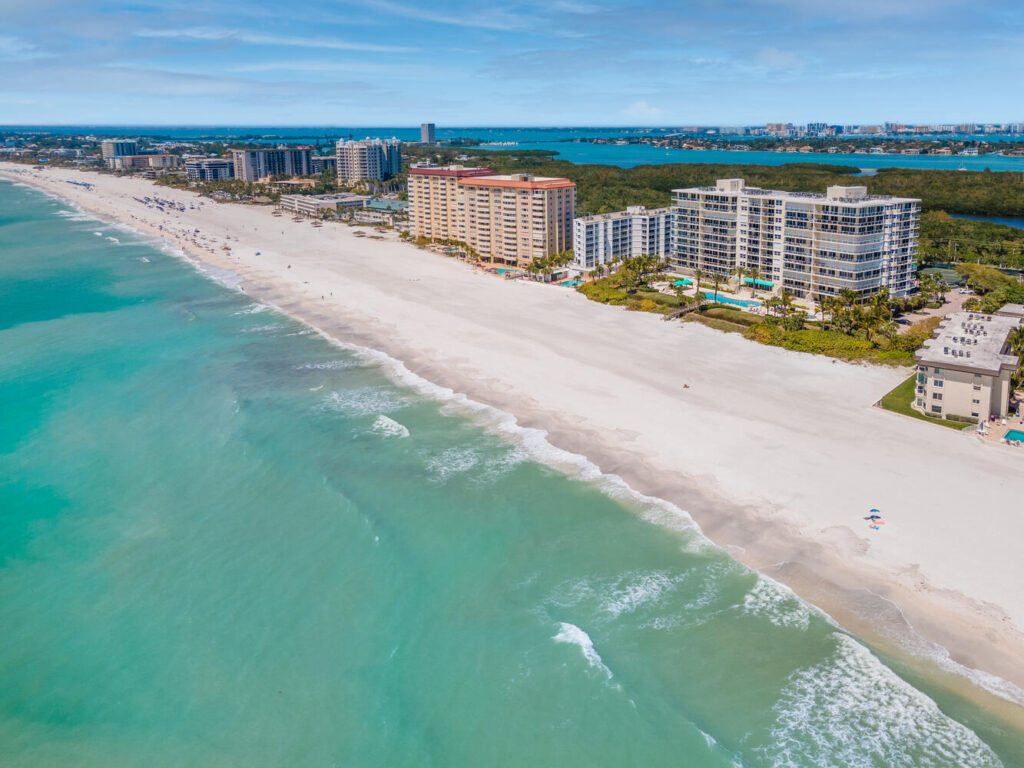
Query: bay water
point(226, 541)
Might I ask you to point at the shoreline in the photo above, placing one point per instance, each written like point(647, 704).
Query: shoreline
point(828, 566)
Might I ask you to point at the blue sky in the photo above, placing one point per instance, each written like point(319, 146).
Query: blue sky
point(554, 62)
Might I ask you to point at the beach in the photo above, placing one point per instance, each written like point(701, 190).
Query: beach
point(777, 455)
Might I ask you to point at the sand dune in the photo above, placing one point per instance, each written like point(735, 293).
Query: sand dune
point(777, 455)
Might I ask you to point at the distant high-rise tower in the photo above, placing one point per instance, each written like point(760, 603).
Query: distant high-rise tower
point(427, 134)
point(368, 160)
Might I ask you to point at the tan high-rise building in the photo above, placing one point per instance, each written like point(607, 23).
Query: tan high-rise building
point(507, 219)
point(434, 206)
point(514, 219)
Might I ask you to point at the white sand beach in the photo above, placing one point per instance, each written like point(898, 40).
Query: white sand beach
point(777, 455)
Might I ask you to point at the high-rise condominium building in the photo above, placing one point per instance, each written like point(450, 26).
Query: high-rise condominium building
point(427, 135)
point(507, 219)
point(257, 164)
point(212, 169)
point(118, 148)
point(608, 237)
point(435, 209)
point(320, 163)
point(368, 160)
point(812, 244)
point(515, 219)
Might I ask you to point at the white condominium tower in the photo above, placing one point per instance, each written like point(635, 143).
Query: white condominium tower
point(257, 164)
point(369, 159)
point(812, 244)
point(608, 237)
point(427, 134)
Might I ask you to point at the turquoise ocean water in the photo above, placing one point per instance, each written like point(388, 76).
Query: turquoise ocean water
point(225, 541)
point(632, 155)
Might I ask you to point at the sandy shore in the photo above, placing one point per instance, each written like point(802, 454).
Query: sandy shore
point(777, 455)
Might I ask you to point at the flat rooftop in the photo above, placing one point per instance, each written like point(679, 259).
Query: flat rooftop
point(971, 341)
point(636, 210)
point(518, 181)
point(845, 195)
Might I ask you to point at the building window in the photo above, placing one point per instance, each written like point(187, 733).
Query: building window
point(976, 402)
point(974, 414)
point(939, 370)
point(936, 395)
point(977, 388)
point(937, 382)
point(936, 409)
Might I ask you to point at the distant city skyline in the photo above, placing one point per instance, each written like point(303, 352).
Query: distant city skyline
point(527, 63)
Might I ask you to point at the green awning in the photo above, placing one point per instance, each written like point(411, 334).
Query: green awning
point(761, 283)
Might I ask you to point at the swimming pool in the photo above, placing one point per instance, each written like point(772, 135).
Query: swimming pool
point(571, 282)
point(737, 302)
point(1014, 434)
point(684, 281)
point(502, 271)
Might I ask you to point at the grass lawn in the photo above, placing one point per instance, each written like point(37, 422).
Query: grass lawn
point(899, 400)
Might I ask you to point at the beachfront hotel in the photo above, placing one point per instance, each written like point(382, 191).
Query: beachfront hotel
point(607, 237)
point(210, 169)
point(368, 159)
point(814, 245)
point(964, 370)
point(435, 207)
point(258, 164)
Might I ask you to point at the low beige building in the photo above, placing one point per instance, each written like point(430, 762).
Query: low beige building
point(135, 162)
point(317, 205)
point(964, 370)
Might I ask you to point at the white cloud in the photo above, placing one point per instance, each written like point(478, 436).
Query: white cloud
point(496, 20)
point(256, 38)
point(16, 49)
point(642, 110)
point(777, 59)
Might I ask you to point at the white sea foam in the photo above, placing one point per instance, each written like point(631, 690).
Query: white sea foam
point(253, 309)
point(327, 365)
point(636, 589)
point(853, 711)
point(98, 234)
point(573, 635)
point(114, 240)
point(777, 603)
point(74, 215)
point(452, 461)
point(363, 401)
point(262, 328)
point(143, 259)
point(389, 427)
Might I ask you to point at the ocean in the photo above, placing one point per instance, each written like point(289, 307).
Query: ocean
point(225, 540)
point(631, 155)
point(565, 141)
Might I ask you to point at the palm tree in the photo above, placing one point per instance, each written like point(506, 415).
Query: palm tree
point(697, 275)
point(717, 278)
point(754, 274)
point(740, 273)
point(786, 302)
